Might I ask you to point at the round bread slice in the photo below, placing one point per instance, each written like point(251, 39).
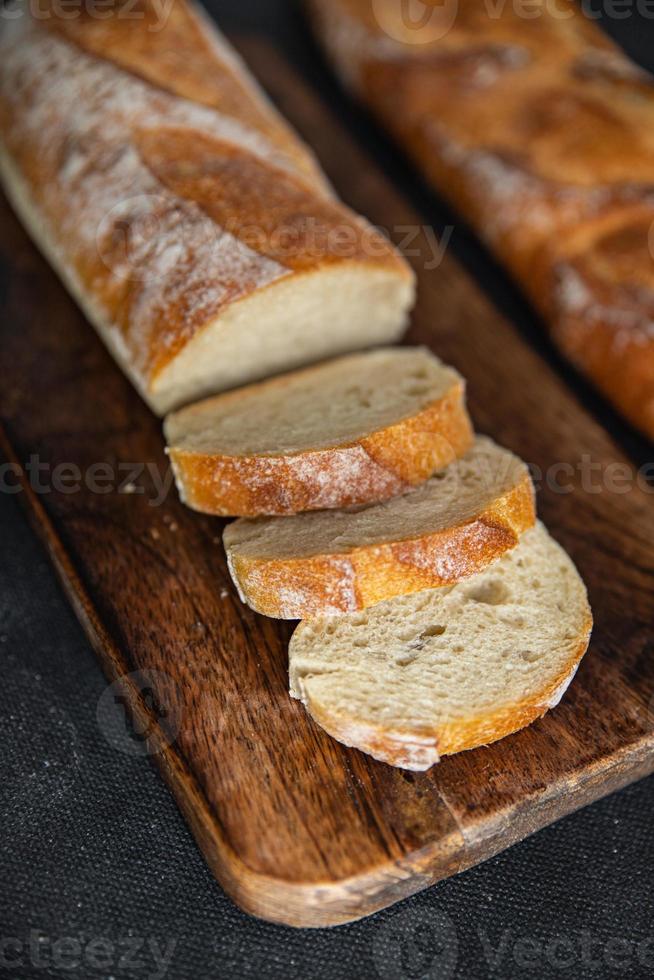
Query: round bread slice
point(356, 429)
point(437, 672)
point(338, 561)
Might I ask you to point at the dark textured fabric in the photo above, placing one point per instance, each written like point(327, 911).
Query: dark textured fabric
point(99, 876)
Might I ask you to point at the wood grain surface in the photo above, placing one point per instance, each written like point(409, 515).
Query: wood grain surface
point(297, 828)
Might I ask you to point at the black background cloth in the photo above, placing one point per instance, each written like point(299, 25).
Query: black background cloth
point(99, 875)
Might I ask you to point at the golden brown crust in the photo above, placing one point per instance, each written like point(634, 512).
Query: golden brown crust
point(263, 205)
point(540, 132)
point(376, 467)
point(419, 751)
point(190, 65)
point(326, 584)
point(137, 171)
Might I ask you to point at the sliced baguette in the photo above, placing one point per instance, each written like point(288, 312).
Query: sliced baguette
point(445, 670)
point(331, 562)
point(353, 430)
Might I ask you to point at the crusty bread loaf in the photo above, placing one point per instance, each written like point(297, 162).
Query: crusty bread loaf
point(541, 131)
point(191, 225)
point(357, 429)
point(337, 561)
point(437, 672)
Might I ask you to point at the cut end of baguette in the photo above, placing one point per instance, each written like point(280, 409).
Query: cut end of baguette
point(330, 562)
point(357, 429)
point(296, 320)
point(445, 670)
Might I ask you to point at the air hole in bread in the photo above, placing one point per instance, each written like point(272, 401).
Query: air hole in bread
point(406, 658)
point(529, 656)
point(492, 593)
point(355, 392)
point(436, 630)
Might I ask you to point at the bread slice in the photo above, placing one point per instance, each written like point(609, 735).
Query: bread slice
point(350, 431)
point(437, 672)
point(330, 562)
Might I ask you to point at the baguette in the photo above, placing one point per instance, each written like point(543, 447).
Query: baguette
point(331, 562)
point(541, 132)
point(192, 226)
point(358, 429)
point(437, 672)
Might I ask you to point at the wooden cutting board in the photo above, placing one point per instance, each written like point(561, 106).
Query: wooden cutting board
point(297, 828)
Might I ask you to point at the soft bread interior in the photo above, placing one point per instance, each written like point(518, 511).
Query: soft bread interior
point(332, 404)
point(296, 320)
point(443, 670)
point(452, 497)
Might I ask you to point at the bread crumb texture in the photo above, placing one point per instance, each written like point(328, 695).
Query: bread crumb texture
point(350, 431)
point(422, 676)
